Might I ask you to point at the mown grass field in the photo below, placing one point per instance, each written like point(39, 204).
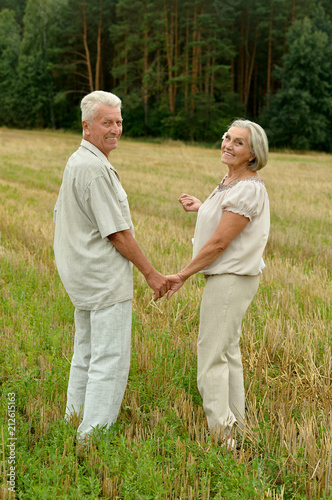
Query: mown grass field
point(160, 447)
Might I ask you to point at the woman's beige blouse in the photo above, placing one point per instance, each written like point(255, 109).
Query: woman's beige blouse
point(246, 197)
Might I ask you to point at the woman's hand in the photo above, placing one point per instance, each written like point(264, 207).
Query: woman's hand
point(175, 282)
point(189, 203)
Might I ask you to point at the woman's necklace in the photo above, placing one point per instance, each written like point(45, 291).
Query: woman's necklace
point(237, 176)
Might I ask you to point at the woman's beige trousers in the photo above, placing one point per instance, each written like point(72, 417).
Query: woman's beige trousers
point(219, 372)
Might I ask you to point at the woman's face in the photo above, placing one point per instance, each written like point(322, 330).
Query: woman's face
point(235, 150)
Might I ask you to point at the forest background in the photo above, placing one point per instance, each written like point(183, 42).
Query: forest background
point(184, 69)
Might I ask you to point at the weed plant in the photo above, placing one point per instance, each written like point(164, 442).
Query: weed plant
point(160, 447)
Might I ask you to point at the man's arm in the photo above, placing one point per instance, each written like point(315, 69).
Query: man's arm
point(126, 244)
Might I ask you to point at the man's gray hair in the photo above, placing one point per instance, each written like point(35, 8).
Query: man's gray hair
point(258, 143)
point(91, 102)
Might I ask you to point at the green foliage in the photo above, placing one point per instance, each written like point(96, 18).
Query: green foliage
point(183, 69)
point(300, 115)
point(9, 55)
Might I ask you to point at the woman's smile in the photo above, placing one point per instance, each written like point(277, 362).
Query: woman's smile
point(235, 150)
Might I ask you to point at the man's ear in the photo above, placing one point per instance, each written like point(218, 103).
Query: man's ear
point(86, 129)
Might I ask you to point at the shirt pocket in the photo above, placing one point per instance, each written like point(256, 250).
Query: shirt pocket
point(124, 205)
point(121, 194)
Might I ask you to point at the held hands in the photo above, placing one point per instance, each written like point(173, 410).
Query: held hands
point(189, 203)
point(161, 284)
point(175, 281)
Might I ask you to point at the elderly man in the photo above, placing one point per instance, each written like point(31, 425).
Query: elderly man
point(95, 248)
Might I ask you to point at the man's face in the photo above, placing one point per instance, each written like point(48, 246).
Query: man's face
point(105, 130)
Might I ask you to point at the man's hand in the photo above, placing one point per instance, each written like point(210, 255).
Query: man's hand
point(126, 244)
point(175, 283)
point(159, 284)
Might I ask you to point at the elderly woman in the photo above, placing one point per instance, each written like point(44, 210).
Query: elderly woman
point(231, 233)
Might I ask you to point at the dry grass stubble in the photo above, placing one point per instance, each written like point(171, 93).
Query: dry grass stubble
point(286, 334)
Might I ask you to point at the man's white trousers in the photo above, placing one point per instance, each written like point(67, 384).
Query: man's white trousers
point(100, 366)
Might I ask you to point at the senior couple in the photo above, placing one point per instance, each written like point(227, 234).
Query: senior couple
point(95, 249)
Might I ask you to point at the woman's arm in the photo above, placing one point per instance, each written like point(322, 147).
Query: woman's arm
point(229, 227)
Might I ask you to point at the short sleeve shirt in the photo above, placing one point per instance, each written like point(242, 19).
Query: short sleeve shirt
point(91, 205)
point(243, 255)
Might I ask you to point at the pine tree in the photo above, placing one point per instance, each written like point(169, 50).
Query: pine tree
point(300, 114)
point(9, 54)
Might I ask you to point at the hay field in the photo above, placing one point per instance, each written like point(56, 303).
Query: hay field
point(160, 448)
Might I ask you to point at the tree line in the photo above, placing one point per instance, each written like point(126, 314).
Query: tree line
point(184, 69)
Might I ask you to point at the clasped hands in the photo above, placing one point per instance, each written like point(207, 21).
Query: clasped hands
point(174, 282)
point(165, 284)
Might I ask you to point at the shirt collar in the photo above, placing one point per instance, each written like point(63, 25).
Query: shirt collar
point(88, 145)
